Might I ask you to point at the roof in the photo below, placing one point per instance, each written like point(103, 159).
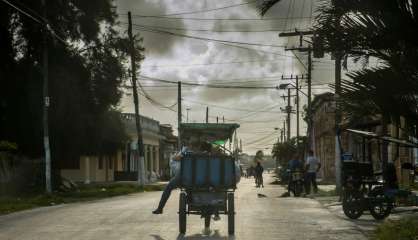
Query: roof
point(212, 131)
point(401, 142)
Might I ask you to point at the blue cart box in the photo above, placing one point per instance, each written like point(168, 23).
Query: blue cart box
point(208, 171)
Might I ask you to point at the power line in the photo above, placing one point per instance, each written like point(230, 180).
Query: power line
point(211, 30)
point(208, 64)
point(217, 19)
point(224, 107)
point(43, 21)
point(206, 85)
point(204, 10)
point(153, 30)
point(22, 11)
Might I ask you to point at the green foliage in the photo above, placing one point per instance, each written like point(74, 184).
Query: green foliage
point(405, 229)
point(383, 30)
point(286, 151)
point(266, 5)
point(85, 79)
point(8, 146)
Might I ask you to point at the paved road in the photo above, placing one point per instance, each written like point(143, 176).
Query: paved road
point(129, 217)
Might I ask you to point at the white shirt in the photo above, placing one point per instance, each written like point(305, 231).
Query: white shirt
point(313, 164)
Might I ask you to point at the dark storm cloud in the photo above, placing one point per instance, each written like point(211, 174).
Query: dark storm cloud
point(155, 44)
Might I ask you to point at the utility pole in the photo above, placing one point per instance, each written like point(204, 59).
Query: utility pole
point(140, 143)
point(187, 116)
point(207, 114)
point(309, 51)
point(309, 99)
point(47, 149)
point(281, 135)
point(179, 113)
point(288, 111)
point(284, 130)
point(296, 87)
point(297, 110)
point(337, 121)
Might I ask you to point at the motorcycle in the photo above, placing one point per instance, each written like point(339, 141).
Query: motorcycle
point(295, 183)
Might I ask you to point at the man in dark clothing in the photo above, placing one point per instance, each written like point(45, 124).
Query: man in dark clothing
point(259, 175)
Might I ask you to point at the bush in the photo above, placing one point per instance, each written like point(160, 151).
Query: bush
point(404, 229)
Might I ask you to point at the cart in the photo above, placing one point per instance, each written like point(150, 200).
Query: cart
point(208, 180)
point(368, 189)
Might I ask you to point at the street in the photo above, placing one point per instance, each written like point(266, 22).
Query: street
point(129, 217)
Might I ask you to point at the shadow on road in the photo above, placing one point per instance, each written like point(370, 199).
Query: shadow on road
point(207, 235)
point(204, 235)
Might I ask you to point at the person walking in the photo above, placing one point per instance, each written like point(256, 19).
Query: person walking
point(312, 166)
point(259, 175)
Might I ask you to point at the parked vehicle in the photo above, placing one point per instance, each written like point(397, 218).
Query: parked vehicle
point(295, 183)
point(367, 190)
point(208, 180)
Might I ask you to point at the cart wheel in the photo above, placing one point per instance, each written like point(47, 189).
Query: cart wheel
point(353, 201)
point(231, 214)
point(207, 222)
point(182, 213)
point(380, 206)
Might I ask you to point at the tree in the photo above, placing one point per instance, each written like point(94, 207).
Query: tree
point(86, 74)
point(364, 29)
point(286, 150)
point(381, 30)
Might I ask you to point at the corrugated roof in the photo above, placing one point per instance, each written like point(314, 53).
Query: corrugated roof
point(218, 131)
point(383, 138)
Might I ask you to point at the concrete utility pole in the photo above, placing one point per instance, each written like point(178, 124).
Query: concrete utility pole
point(296, 87)
point(309, 51)
point(284, 130)
point(337, 121)
point(309, 112)
point(297, 110)
point(187, 115)
point(288, 111)
point(47, 149)
point(140, 143)
point(207, 114)
point(179, 113)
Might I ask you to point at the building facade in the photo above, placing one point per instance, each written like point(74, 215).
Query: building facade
point(362, 149)
point(323, 128)
point(168, 147)
point(123, 165)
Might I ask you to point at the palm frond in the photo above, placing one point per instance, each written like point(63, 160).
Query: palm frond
point(265, 5)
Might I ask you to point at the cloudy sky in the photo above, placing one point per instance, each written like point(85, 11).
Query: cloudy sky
point(193, 57)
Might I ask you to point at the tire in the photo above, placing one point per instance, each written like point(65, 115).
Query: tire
point(379, 206)
point(231, 214)
point(182, 213)
point(297, 189)
point(207, 222)
point(353, 203)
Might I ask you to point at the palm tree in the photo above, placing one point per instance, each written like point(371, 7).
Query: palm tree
point(382, 30)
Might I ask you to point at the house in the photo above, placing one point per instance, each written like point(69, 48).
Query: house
point(126, 168)
point(122, 166)
point(323, 115)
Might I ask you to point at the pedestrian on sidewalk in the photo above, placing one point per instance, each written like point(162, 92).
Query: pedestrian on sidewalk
point(312, 166)
point(259, 175)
